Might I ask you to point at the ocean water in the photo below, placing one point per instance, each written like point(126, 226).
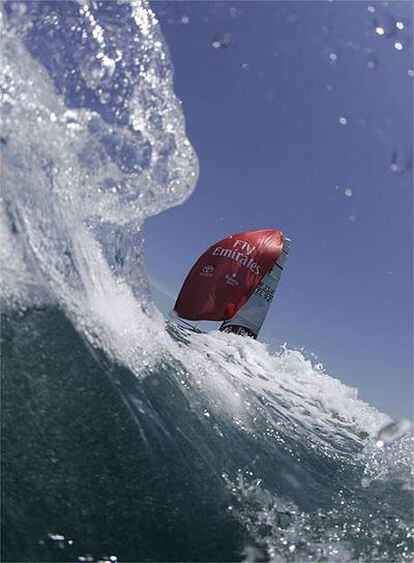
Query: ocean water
point(125, 437)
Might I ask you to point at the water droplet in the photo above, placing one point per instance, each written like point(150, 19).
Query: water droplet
point(222, 41)
point(372, 62)
point(398, 45)
point(379, 31)
point(352, 218)
point(235, 12)
point(245, 66)
point(333, 58)
point(400, 164)
point(348, 192)
point(56, 537)
point(410, 72)
point(392, 431)
point(371, 9)
point(399, 25)
point(105, 97)
point(343, 120)
point(185, 19)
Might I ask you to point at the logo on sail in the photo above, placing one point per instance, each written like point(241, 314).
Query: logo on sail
point(231, 280)
point(242, 259)
point(207, 271)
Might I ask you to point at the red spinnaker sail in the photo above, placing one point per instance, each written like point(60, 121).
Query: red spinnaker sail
point(224, 277)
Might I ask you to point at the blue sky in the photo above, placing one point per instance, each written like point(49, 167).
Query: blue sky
point(303, 121)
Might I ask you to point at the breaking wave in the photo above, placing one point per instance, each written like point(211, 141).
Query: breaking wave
point(124, 436)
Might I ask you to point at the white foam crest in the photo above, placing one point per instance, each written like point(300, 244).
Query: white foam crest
point(242, 380)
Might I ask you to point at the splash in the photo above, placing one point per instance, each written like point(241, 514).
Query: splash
point(93, 143)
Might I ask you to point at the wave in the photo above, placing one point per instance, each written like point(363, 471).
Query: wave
point(124, 435)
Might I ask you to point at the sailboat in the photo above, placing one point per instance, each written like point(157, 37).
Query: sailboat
point(234, 281)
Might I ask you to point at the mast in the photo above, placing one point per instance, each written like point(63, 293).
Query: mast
point(249, 319)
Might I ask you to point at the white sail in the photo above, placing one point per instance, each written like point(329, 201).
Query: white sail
point(250, 318)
